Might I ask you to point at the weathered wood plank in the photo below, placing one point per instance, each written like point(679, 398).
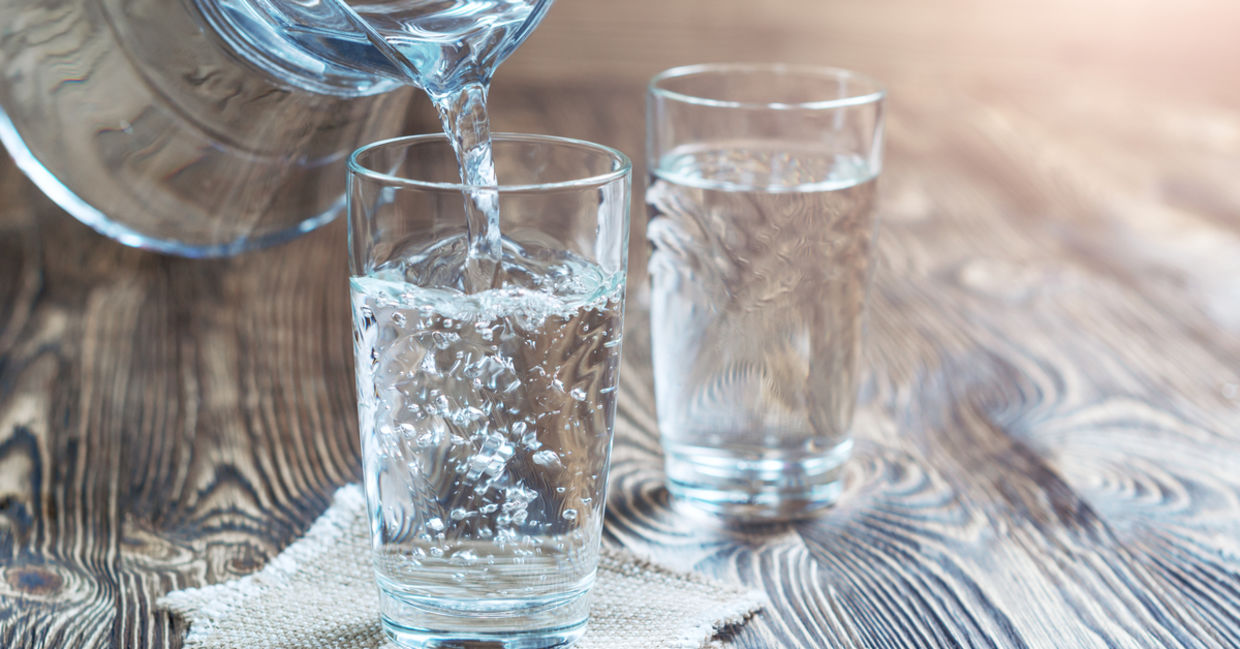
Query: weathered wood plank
point(59, 475)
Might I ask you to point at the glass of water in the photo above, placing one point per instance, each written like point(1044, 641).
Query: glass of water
point(486, 408)
point(761, 200)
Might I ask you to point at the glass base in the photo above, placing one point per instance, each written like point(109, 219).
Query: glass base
point(775, 487)
point(409, 638)
point(439, 623)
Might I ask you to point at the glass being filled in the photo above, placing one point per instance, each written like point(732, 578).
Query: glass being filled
point(486, 412)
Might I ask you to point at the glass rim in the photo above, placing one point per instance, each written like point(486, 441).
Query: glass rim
point(623, 165)
point(877, 93)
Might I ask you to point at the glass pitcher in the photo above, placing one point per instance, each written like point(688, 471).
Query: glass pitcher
point(209, 127)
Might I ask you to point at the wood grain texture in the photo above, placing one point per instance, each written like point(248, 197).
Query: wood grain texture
point(1049, 433)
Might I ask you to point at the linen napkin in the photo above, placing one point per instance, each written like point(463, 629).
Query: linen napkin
point(319, 593)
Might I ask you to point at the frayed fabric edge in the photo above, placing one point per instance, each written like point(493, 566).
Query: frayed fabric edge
point(202, 606)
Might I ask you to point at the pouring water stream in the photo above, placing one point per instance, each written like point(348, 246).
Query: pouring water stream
point(459, 93)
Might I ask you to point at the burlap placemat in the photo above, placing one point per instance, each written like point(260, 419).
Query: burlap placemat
point(319, 593)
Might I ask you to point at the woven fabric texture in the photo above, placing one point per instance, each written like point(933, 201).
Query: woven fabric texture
point(319, 593)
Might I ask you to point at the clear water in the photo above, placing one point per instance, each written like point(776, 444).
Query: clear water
point(760, 265)
point(465, 120)
point(485, 420)
point(450, 48)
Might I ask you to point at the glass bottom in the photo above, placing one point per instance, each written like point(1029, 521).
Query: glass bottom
point(440, 623)
point(773, 487)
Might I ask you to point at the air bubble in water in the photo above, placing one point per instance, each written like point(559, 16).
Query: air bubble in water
point(433, 433)
point(460, 400)
point(491, 458)
point(546, 458)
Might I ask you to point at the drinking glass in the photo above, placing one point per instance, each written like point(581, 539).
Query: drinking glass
point(486, 409)
point(761, 201)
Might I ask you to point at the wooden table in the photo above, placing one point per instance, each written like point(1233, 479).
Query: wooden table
point(1049, 435)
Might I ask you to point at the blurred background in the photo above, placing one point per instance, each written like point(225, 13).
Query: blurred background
point(1186, 51)
point(1161, 45)
point(1131, 106)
